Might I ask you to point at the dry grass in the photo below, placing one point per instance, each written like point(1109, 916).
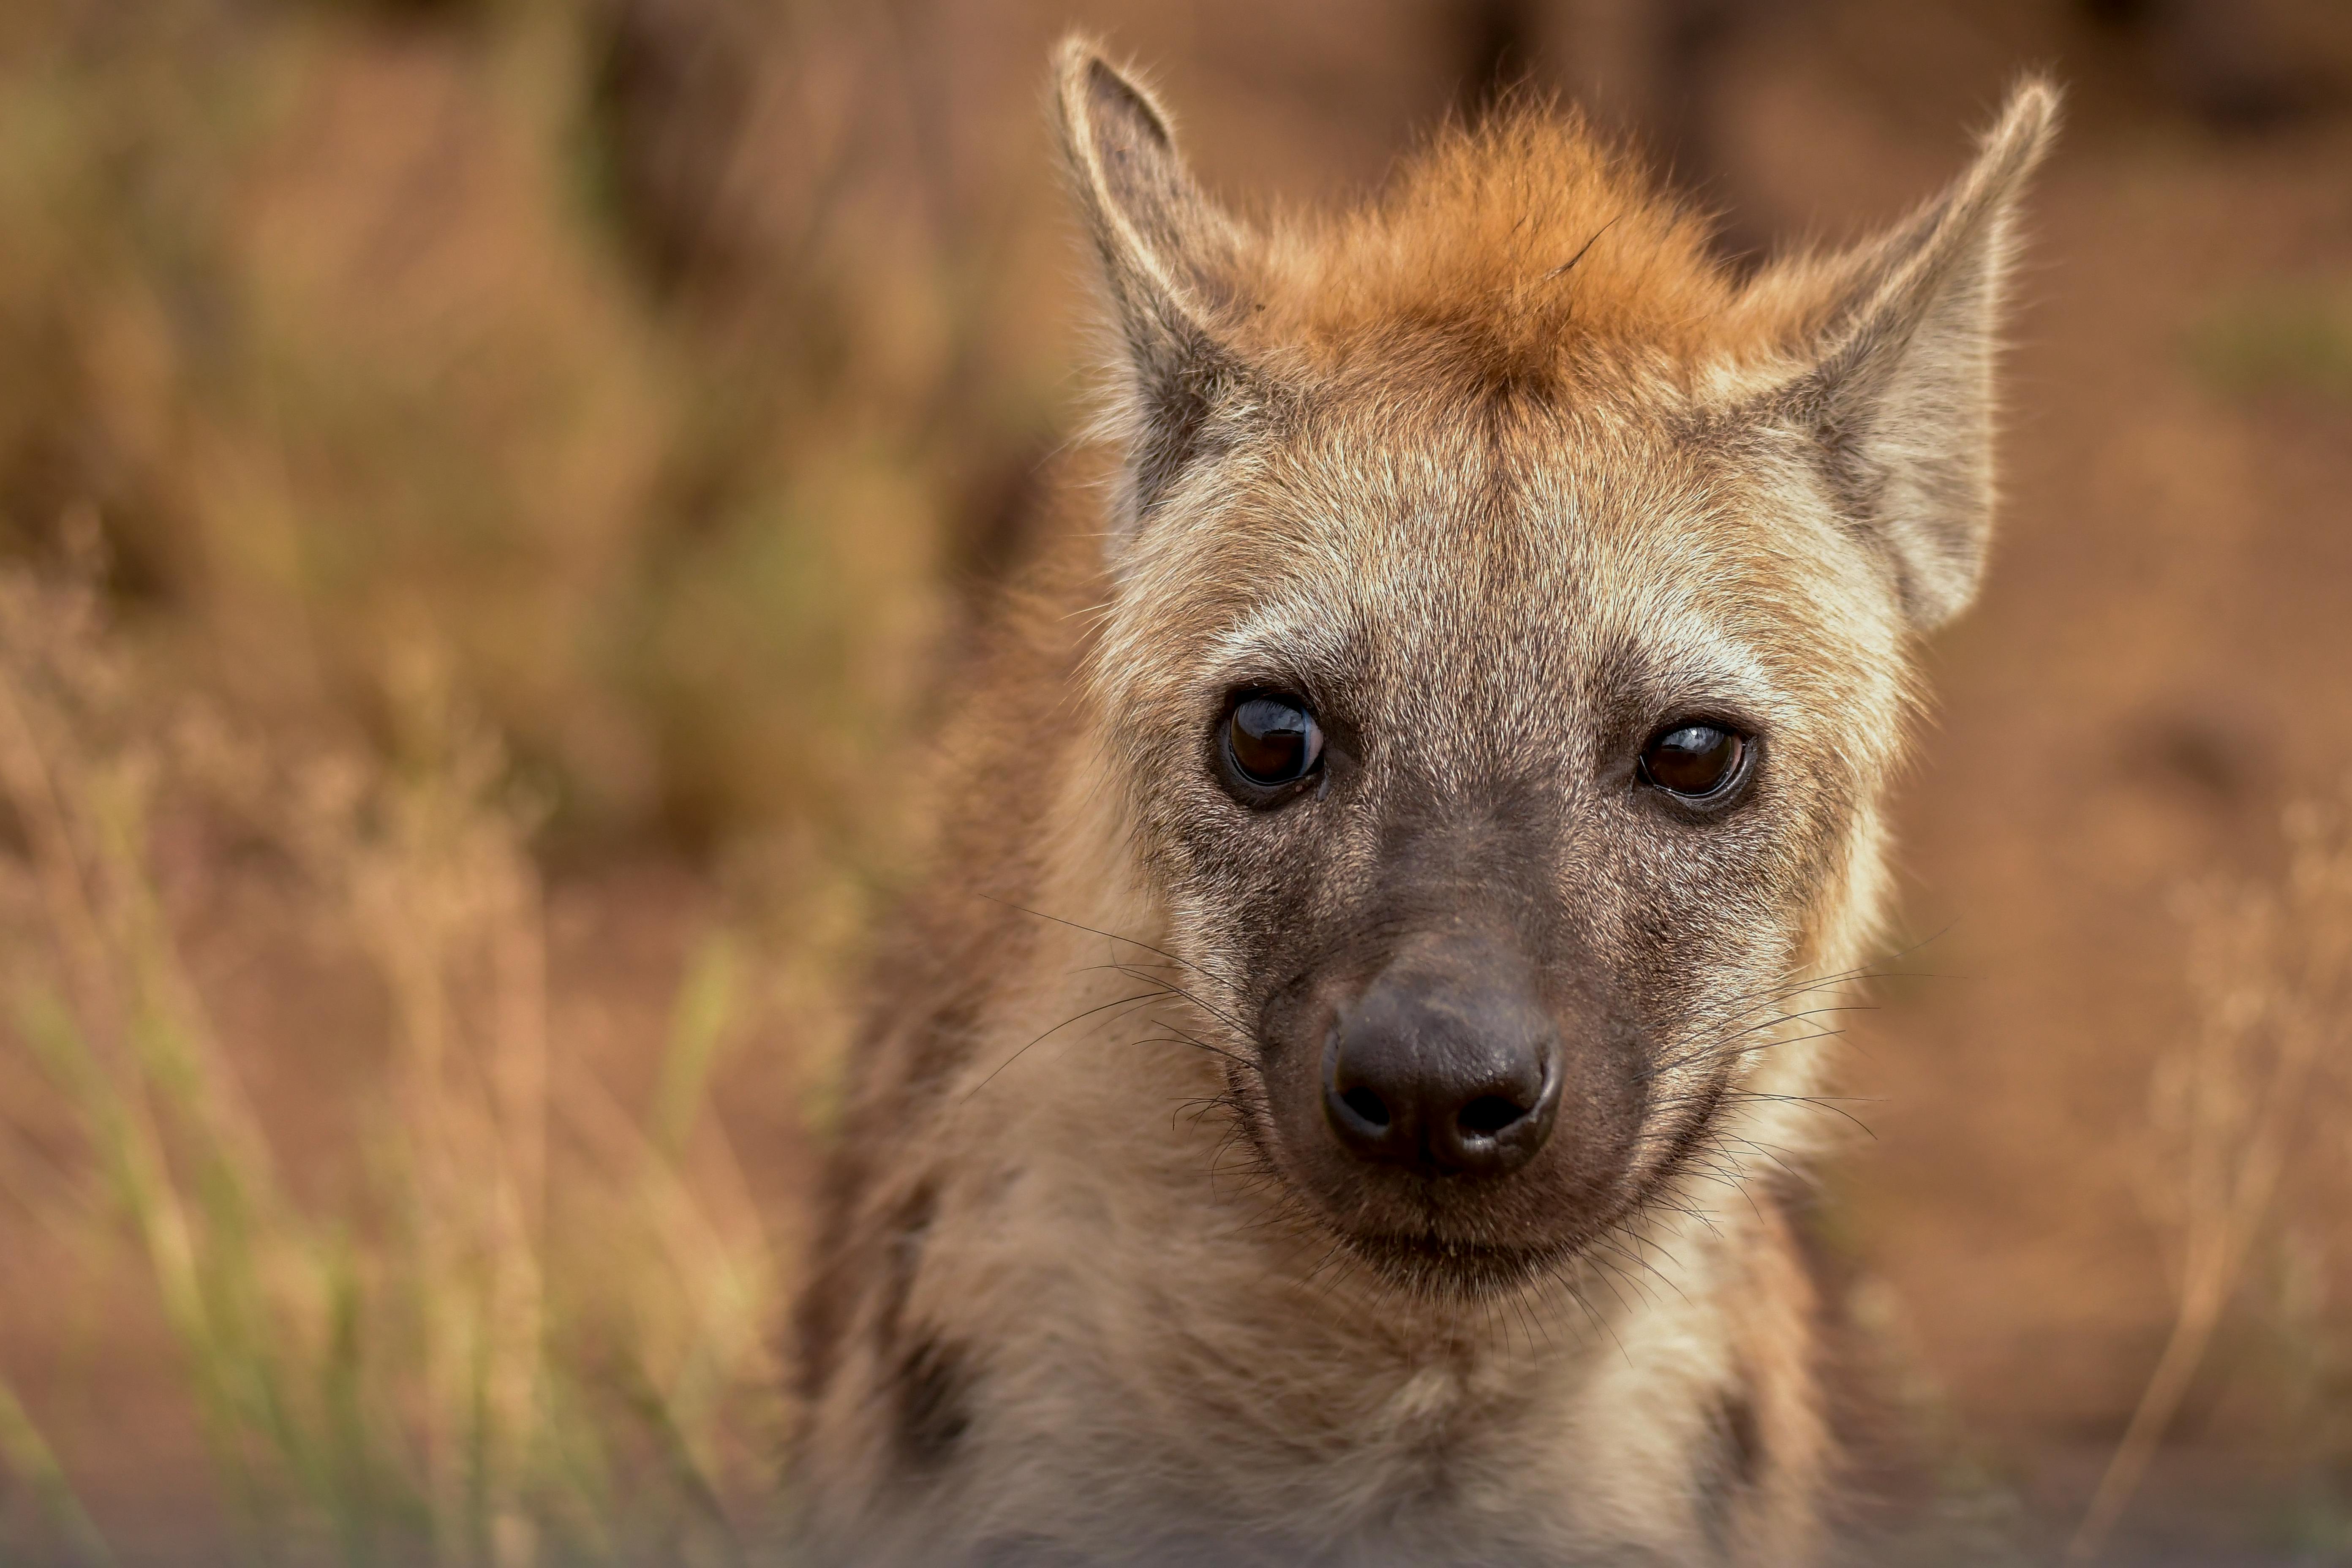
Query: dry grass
point(453, 476)
point(343, 328)
point(535, 1327)
point(2246, 1105)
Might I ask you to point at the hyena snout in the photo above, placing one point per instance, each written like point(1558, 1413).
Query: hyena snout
point(1446, 1064)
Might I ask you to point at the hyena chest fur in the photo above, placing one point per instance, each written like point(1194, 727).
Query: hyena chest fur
point(1073, 1333)
point(1334, 1101)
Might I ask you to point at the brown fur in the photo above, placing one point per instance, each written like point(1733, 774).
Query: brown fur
point(1505, 473)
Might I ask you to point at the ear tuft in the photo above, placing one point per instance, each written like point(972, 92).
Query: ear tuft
point(1113, 98)
point(1171, 263)
point(1898, 395)
point(2023, 134)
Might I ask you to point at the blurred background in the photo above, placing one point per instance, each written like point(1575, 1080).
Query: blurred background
point(487, 487)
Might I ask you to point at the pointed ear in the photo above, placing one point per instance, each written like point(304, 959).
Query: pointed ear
point(1898, 395)
point(1171, 264)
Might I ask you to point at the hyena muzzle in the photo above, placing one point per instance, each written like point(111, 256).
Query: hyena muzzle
point(1336, 1100)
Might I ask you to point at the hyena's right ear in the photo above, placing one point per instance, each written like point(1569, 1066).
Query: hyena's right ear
point(1173, 263)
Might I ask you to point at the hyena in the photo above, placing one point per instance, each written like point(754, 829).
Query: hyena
point(1337, 1099)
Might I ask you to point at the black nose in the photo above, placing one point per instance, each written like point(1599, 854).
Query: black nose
point(1447, 1062)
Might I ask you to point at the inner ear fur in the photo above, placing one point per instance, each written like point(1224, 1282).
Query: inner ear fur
point(1171, 264)
point(1897, 395)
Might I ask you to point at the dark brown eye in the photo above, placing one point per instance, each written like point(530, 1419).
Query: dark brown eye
point(1696, 762)
point(1273, 740)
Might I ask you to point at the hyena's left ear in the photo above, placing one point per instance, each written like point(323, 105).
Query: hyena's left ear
point(1172, 262)
point(1898, 394)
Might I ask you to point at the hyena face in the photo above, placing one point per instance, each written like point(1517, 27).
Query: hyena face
point(1495, 772)
point(1507, 653)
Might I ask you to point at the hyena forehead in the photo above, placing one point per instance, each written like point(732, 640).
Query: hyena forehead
point(1638, 570)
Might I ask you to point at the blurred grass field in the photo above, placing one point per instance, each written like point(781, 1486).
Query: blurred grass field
point(529, 1322)
point(486, 488)
point(390, 528)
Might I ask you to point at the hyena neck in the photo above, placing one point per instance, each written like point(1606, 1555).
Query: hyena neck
point(1239, 1372)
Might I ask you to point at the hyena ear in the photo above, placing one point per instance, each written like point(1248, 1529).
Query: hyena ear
point(1173, 263)
point(1898, 393)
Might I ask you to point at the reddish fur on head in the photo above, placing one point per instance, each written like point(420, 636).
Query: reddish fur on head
point(1525, 245)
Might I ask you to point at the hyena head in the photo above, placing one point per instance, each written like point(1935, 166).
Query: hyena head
point(1506, 648)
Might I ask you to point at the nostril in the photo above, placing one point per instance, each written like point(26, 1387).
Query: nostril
point(1446, 1071)
point(1488, 1115)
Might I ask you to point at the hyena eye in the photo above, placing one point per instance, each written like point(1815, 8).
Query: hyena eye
point(1698, 762)
point(1272, 739)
